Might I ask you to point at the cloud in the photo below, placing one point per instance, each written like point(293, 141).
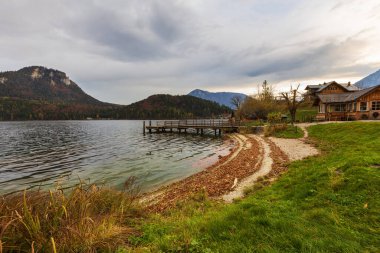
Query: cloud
point(122, 51)
point(133, 31)
point(311, 62)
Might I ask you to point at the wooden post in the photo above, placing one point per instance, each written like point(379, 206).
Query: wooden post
point(144, 127)
point(220, 132)
point(201, 131)
point(215, 131)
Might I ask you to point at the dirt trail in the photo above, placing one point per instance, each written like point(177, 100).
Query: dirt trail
point(266, 166)
point(274, 152)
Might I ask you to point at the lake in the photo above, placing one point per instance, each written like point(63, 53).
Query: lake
point(44, 153)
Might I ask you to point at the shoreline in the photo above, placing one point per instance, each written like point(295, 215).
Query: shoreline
point(255, 158)
point(214, 181)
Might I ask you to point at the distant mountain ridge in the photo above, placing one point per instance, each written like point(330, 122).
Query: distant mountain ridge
point(40, 93)
point(222, 98)
point(369, 81)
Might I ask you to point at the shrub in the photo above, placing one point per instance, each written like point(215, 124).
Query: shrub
point(85, 219)
point(272, 129)
point(253, 108)
point(274, 117)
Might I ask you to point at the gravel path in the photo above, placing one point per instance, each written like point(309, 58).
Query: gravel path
point(295, 149)
point(266, 166)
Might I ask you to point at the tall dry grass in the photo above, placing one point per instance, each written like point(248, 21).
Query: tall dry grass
point(87, 218)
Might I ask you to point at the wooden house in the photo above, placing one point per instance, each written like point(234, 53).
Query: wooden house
point(337, 101)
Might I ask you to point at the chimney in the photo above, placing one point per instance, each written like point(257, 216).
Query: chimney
point(349, 84)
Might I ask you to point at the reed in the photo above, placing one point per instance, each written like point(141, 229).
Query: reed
point(87, 218)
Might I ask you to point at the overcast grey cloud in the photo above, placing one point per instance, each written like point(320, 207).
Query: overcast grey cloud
point(124, 50)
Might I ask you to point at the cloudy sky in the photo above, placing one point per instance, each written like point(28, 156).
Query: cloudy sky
point(124, 50)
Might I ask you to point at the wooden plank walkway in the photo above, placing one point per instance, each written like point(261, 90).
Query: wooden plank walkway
point(199, 125)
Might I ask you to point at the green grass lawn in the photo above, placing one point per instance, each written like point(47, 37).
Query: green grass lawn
point(306, 114)
point(291, 132)
point(329, 203)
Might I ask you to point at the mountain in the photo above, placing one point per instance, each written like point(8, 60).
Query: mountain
point(40, 83)
point(39, 93)
point(174, 107)
point(222, 98)
point(369, 81)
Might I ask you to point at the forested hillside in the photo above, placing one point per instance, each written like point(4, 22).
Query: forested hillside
point(178, 107)
point(39, 93)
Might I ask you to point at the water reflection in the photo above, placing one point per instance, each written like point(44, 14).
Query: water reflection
point(41, 152)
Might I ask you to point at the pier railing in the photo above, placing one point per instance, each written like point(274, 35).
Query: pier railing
point(197, 123)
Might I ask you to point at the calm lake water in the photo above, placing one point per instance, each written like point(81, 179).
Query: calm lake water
point(42, 153)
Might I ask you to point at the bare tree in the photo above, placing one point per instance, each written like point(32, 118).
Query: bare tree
point(293, 99)
point(237, 101)
point(266, 93)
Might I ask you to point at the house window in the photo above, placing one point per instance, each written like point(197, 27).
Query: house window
point(376, 105)
point(339, 108)
point(363, 106)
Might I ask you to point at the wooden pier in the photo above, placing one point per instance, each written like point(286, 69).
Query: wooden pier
point(197, 125)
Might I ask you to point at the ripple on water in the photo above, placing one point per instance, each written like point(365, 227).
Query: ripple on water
point(39, 153)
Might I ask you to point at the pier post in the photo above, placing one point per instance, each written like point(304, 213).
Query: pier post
point(144, 127)
point(215, 131)
point(220, 132)
point(201, 131)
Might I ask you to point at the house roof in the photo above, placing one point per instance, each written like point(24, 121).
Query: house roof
point(345, 97)
point(333, 98)
point(313, 87)
point(358, 94)
point(347, 86)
